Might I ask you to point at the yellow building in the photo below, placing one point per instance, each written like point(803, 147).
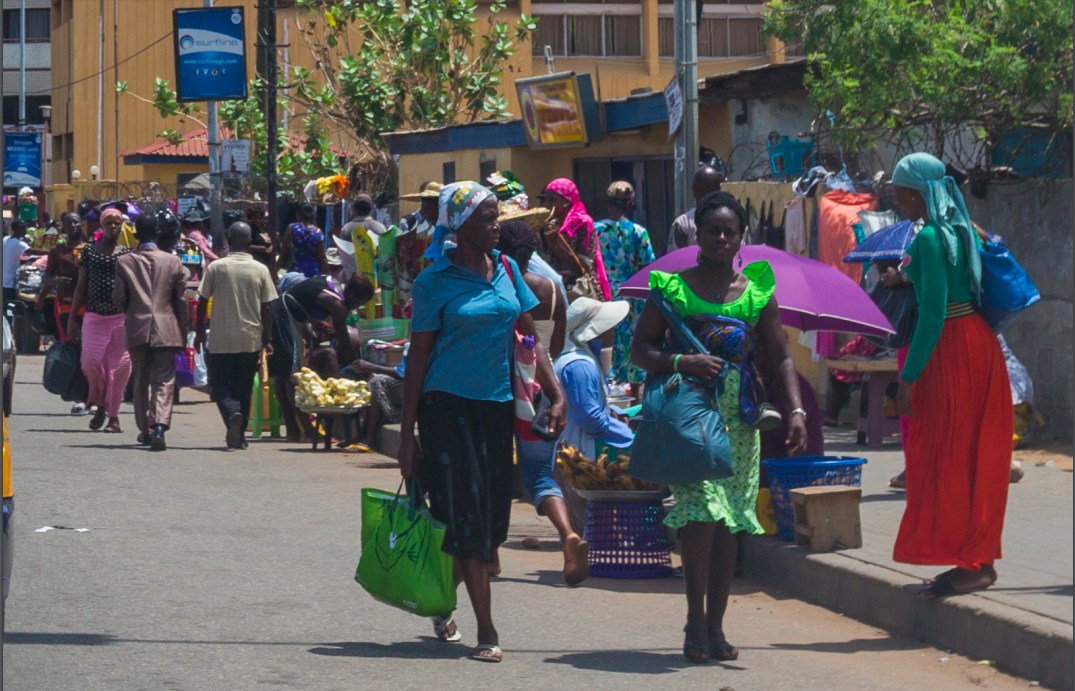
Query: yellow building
point(626, 45)
point(736, 113)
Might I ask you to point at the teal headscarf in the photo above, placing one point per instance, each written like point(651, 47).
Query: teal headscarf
point(945, 206)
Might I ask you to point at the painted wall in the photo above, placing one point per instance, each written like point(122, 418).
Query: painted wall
point(1035, 220)
point(787, 114)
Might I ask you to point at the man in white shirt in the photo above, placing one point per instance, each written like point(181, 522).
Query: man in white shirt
point(15, 246)
point(683, 232)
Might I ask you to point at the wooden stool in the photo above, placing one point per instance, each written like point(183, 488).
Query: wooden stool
point(265, 409)
point(827, 516)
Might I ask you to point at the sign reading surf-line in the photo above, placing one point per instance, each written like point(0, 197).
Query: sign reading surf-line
point(210, 54)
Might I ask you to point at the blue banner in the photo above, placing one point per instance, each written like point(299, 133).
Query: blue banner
point(210, 54)
point(22, 159)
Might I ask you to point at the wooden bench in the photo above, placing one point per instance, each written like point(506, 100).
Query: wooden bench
point(879, 374)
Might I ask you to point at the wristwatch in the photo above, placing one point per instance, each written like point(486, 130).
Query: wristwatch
point(798, 411)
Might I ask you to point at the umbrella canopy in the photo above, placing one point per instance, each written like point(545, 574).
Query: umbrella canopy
point(812, 295)
point(888, 243)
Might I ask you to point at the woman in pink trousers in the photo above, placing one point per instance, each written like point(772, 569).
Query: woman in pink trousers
point(105, 360)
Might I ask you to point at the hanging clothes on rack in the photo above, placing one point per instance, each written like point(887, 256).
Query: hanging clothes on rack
point(776, 235)
point(795, 236)
point(836, 235)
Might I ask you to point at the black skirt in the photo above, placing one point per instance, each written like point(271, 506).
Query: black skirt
point(467, 469)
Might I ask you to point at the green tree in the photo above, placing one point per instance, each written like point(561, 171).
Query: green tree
point(295, 165)
point(947, 76)
point(384, 66)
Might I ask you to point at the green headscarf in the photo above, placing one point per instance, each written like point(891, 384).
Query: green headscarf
point(945, 206)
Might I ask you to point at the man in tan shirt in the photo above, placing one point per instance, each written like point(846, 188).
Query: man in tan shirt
point(241, 289)
point(150, 291)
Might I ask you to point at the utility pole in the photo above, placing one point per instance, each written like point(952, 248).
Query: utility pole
point(22, 65)
point(216, 210)
point(115, 78)
point(267, 46)
point(686, 51)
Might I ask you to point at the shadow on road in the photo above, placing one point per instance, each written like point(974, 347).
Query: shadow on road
point(26, 638)
point(855, 645)
point(1062, 590)
point(427, 648)
point(887, 496)
point(626, 661)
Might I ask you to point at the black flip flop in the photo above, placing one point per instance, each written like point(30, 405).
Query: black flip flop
point(719, 647)
point(697, 654)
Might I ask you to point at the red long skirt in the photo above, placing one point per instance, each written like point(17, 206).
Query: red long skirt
point(959, 451)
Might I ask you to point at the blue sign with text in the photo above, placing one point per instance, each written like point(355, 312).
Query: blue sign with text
point(22, 159)
point(210, 54)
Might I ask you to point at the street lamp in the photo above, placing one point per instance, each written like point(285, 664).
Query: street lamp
point(76, 174)
point(94, 172)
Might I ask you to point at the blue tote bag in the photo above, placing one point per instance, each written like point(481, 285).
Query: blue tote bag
point(1006, 288)
point(682, 438)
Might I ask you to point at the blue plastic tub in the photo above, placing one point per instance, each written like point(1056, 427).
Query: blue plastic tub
point(791, 473)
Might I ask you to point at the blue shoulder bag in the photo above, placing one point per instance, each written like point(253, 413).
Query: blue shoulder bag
point(682, 438)
point(1006, 288)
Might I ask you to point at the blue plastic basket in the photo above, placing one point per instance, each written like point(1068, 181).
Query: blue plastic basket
point(627, 540)
point(791, 473)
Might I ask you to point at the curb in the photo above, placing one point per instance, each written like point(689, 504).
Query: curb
point(388, 441)
point(1022, 643)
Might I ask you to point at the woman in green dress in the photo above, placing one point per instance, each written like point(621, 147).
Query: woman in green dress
point(731, 312)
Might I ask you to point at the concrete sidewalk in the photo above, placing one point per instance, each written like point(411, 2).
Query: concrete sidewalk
point(1024, 623)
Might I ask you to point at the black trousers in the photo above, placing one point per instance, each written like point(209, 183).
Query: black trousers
point(231, 382)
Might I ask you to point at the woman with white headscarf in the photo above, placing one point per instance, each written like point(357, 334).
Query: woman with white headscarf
point(457, 389)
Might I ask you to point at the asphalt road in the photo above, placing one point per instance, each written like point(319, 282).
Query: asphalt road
point(212, 570)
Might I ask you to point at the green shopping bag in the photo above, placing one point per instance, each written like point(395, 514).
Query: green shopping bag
point(402, 563)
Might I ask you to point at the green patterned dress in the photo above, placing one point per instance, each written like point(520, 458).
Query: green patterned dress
point(732, 500)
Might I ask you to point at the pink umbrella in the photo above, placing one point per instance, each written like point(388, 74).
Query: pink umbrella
point(812, 296)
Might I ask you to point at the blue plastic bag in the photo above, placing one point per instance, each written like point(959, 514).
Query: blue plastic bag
point(1006, 288)
point(184, 377)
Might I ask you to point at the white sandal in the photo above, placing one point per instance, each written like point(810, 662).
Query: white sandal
point(496, 654)
point(441, 626)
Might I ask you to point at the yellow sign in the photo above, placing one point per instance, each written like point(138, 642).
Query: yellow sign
point(552, 112)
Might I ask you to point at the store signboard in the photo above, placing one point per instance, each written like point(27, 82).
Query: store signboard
point(22, 159)
point(235, 156)
point(673, 101)
point(210, 54)
point(553, 110)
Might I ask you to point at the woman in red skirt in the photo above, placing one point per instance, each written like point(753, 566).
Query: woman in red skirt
point(955, 388)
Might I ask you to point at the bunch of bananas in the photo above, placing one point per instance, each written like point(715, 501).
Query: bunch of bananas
point(313, 391)
point(584, 473)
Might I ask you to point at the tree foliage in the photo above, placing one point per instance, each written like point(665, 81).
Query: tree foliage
point(384, 66)
point(947, 76)
point(295, 164)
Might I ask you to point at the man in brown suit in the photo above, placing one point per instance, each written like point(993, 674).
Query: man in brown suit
point(150, 291)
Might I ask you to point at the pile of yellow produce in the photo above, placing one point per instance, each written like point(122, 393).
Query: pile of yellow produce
point(313, 391)
point(584, 473)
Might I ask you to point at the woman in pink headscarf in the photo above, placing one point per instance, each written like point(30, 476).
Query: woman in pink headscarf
point(102, 334)
point(573, 224)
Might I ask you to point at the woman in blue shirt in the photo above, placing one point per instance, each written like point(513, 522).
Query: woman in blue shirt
point(585, 384)
point(457, 388)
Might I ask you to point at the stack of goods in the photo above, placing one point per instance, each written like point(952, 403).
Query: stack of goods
point(327, 190)
point(311, 391)
point(27, 205)
point(584, 473)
